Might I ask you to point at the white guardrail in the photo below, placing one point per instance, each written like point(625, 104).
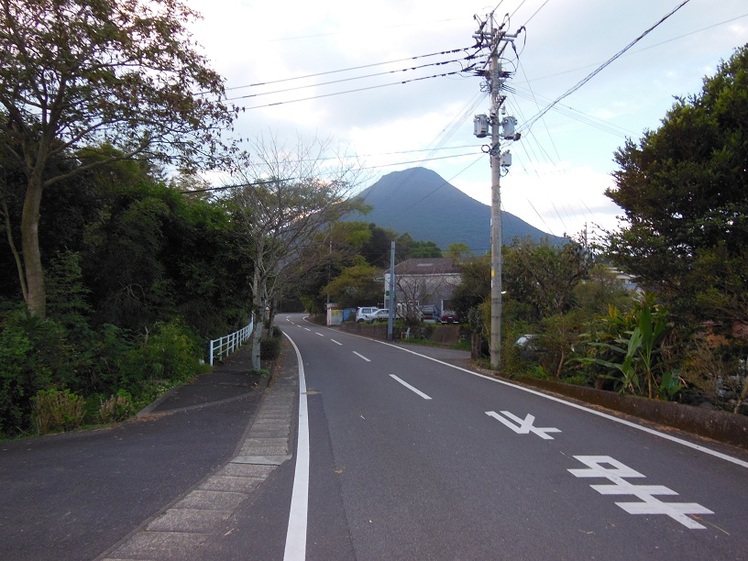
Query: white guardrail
point(219, 349)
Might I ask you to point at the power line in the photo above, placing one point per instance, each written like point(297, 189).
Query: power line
point(600, 68)
point(420, 161)
point(536, 12)
point(239, 185)
point(273, 92)
point(320, 96)
point(350, 69)
point(666, 41)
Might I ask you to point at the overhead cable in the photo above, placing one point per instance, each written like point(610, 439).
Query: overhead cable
point(600, 68)
point(328, 72)
point(354, 90)
point(412, 68)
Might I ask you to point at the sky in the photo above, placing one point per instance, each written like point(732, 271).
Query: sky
point(369, 77)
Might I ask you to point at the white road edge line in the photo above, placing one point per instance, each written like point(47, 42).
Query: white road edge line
point(703, 449)
point(297, 517)
point(359, 355)
point(411, 388)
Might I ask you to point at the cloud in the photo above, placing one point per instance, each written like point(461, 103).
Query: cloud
point(561, 166)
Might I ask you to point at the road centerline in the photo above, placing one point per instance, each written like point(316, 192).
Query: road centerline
point(359, 355)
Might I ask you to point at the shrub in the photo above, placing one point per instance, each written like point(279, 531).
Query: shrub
point(170, 354)
point(270, 348)
point(32, 353)
point(116, 408)
point(578, 379)
point(58, 410)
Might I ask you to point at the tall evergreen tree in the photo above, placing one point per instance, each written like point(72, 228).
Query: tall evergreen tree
point(684, 191)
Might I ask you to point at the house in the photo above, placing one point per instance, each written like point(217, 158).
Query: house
point(424, 280)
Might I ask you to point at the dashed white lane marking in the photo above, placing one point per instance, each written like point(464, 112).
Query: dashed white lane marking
point(643, 428)
point(359, 355)
point(411, 388)
point(336, 342)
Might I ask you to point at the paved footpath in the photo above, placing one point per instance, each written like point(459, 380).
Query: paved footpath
point(159, 487)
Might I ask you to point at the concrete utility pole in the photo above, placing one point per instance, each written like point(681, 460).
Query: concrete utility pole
point(391, 301)
point(496, 40)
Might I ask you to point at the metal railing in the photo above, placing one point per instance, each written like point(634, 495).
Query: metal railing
point(220, 348)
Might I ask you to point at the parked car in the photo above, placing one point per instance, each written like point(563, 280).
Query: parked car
point(430, 313)
point(379, 315)
point(363, 311)
point(449, 316)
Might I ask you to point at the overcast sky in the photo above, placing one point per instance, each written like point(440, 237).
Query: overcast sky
point(561, 165)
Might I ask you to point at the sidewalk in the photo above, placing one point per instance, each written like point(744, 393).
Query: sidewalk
point(227, 381)
point(197, 520)
point(126, 489)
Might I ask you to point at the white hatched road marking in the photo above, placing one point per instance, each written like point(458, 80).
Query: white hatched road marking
point(411, 388)
point(615, 472)
point(523, 426)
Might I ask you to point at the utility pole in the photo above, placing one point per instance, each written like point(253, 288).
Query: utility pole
point(502, 127)
point(391, 301)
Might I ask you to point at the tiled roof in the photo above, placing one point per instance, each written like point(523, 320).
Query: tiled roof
point(427, 266)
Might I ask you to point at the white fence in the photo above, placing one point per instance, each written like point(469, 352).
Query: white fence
point(221, 348)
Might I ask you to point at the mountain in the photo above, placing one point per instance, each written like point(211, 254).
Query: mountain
point(421, 203)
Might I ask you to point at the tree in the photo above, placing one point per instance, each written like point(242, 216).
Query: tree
point(543, 277)
point(458, 252)
point(684, 191)
point(474, 287)
point(76, 73)
point(334, 249)
point(377, 249)
point(424, 249)
point(285, 200)
point(356, 285)
point(601, 290)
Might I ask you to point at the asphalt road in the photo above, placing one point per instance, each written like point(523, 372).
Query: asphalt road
point(370, 451)
point(420, 460)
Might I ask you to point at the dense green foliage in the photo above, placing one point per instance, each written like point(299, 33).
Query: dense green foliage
point(74, 74)
point(48, 367)
point(138, 276)
point(684, 190)
point(541, 277)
